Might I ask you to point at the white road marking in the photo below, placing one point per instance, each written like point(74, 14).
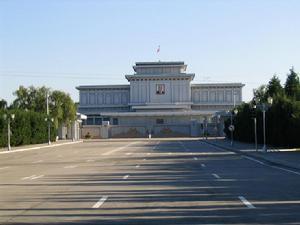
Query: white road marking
point(70, 167)
point(137, 166)
point(287, 170)
point(170, 153)
point(276, 167)
point(217, 147)
point(125, 177)
point(5, 167)
point(32, 177)
point(246, 202)
point(216, 175)
point(25, 178)
point(148, 153)
point(260, 162)
point(195, 158)
point(154, 147)
point(37, 177)
point(100, 202)
point(128, 153)
point(119, 149)
point(34, 148)
point(255, 160)
point(38, 161)
point(203, 165)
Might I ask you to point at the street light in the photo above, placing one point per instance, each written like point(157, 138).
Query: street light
point(264, 109)
point(218, 125)
point(231, 128)
point(205, 128)
point(8, 117)
point(49, 130)
point(72, 126)
point(255, 125)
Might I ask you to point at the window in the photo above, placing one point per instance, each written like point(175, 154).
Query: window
point(160, 89)
point(159, 121)
point(98, 121)
point(90, 121)
point(115, 121)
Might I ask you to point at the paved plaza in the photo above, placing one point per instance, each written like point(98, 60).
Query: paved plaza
point(140, 181)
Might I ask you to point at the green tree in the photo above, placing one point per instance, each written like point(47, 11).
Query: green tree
point(62, 107)
point(260, 94)
point(31, 98)
point(292, 85)
point(274, 87)
point(3, 104)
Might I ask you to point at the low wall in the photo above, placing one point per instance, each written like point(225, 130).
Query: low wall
point(171, 131)
point(93, 130)
point(163, 130)
point(127, 131)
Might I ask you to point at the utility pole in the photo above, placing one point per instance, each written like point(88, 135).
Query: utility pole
point(48, 119)
point(8, 134)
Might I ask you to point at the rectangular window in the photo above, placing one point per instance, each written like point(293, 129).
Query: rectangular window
point(98, 121)
point(90, 121)
point(159, 121)
point(115, 121)
point(160, 89)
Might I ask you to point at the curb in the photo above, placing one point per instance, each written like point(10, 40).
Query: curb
point(263, 159)
point(40, 147)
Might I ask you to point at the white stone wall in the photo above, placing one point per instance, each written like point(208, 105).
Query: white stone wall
point(100, 97)
point(144, 91)
point(126, 121)
point(216, 95)
point(159, 70)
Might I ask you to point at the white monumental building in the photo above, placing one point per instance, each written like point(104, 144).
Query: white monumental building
point(160, 99)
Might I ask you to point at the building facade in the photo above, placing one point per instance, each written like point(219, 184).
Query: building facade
point(160, 99)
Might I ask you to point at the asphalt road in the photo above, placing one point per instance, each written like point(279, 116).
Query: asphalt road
point(167, 181)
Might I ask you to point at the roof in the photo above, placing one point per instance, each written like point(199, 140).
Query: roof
point(171, 63)
point(161, 76)
point(121, 86)
point(218, 85)
point(160, 113)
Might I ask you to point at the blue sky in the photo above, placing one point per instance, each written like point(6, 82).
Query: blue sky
point(65, 43)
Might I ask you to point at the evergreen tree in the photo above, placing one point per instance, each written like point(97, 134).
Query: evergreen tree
point(274, 87)
point(292, 85)
point(3, 104)
point(260, 94)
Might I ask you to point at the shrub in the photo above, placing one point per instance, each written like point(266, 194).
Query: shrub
point(28, 127)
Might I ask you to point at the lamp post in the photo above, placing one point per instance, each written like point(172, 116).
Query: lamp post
point(255, 125)
point(218, 125)
point(234, 112)
point(49, 120)
point(264, 109)
point(72, 126)
point(9, 117)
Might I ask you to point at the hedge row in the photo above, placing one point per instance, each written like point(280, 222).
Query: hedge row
point(282, 123)
point(27, 127)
